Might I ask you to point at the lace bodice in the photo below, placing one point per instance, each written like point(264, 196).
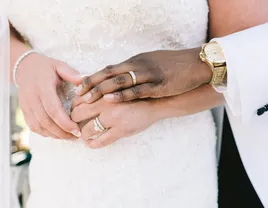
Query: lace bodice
point(97, 30)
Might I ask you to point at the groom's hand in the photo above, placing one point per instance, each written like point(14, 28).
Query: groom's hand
point(148, 75)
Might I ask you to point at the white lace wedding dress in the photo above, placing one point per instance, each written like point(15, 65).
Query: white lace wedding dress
point(171, 164)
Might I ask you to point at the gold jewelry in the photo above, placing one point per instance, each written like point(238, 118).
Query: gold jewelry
point(133, 77)
point(98, 126)
point(213, 56)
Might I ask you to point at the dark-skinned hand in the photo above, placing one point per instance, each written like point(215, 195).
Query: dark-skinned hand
point(158, 74)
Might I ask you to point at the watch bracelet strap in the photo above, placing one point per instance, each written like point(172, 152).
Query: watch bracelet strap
point(219, 75)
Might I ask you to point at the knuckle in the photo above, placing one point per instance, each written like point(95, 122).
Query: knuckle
point(137, 91)
point(119, 96)
point(153, 90)
point(130, 66)
point(119, 80)
point(78, 113)
point(87, 81)
point(127, 65)
point(97, 90)
point(108, 69)
point(140, 60)
point(143, 61)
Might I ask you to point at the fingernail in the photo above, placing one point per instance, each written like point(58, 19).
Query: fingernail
point(76, 133)
point(108, 97)
point(78, 89)
point(87, 96)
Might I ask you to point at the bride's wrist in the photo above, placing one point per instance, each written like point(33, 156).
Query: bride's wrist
point(19, 65)
point(163, 108)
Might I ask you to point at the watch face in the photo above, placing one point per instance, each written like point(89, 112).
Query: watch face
point(214, 53)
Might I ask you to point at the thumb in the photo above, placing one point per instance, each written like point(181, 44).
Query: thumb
point(69, 74)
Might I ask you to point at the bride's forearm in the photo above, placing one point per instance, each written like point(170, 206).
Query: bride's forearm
point(17, 48)
point(200, 99)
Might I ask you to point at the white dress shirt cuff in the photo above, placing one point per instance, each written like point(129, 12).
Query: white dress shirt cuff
point(247, 72)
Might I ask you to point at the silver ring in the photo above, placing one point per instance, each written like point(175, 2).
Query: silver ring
point(98, 126)
point(133, 77)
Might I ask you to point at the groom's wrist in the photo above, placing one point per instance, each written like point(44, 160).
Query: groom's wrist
point(199, 73)
point(204, 73)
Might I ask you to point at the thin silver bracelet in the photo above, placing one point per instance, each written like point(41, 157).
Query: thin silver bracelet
point(15, 69)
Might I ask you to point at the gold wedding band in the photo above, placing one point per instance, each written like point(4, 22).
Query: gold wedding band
point(133, 77)
point(98, 126)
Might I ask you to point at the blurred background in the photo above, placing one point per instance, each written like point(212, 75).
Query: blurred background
point(20, 153)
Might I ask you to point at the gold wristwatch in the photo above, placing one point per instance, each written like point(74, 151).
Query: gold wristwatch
point(213, 56)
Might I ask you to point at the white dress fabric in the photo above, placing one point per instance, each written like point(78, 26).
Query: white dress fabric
point(5, 186)
point(171, 164)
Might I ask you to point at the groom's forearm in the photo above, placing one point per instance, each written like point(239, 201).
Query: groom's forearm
point(197, 100)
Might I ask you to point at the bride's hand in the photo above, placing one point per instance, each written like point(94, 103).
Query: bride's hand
point(38, 77)
point(158, 74)
point(121, 120)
